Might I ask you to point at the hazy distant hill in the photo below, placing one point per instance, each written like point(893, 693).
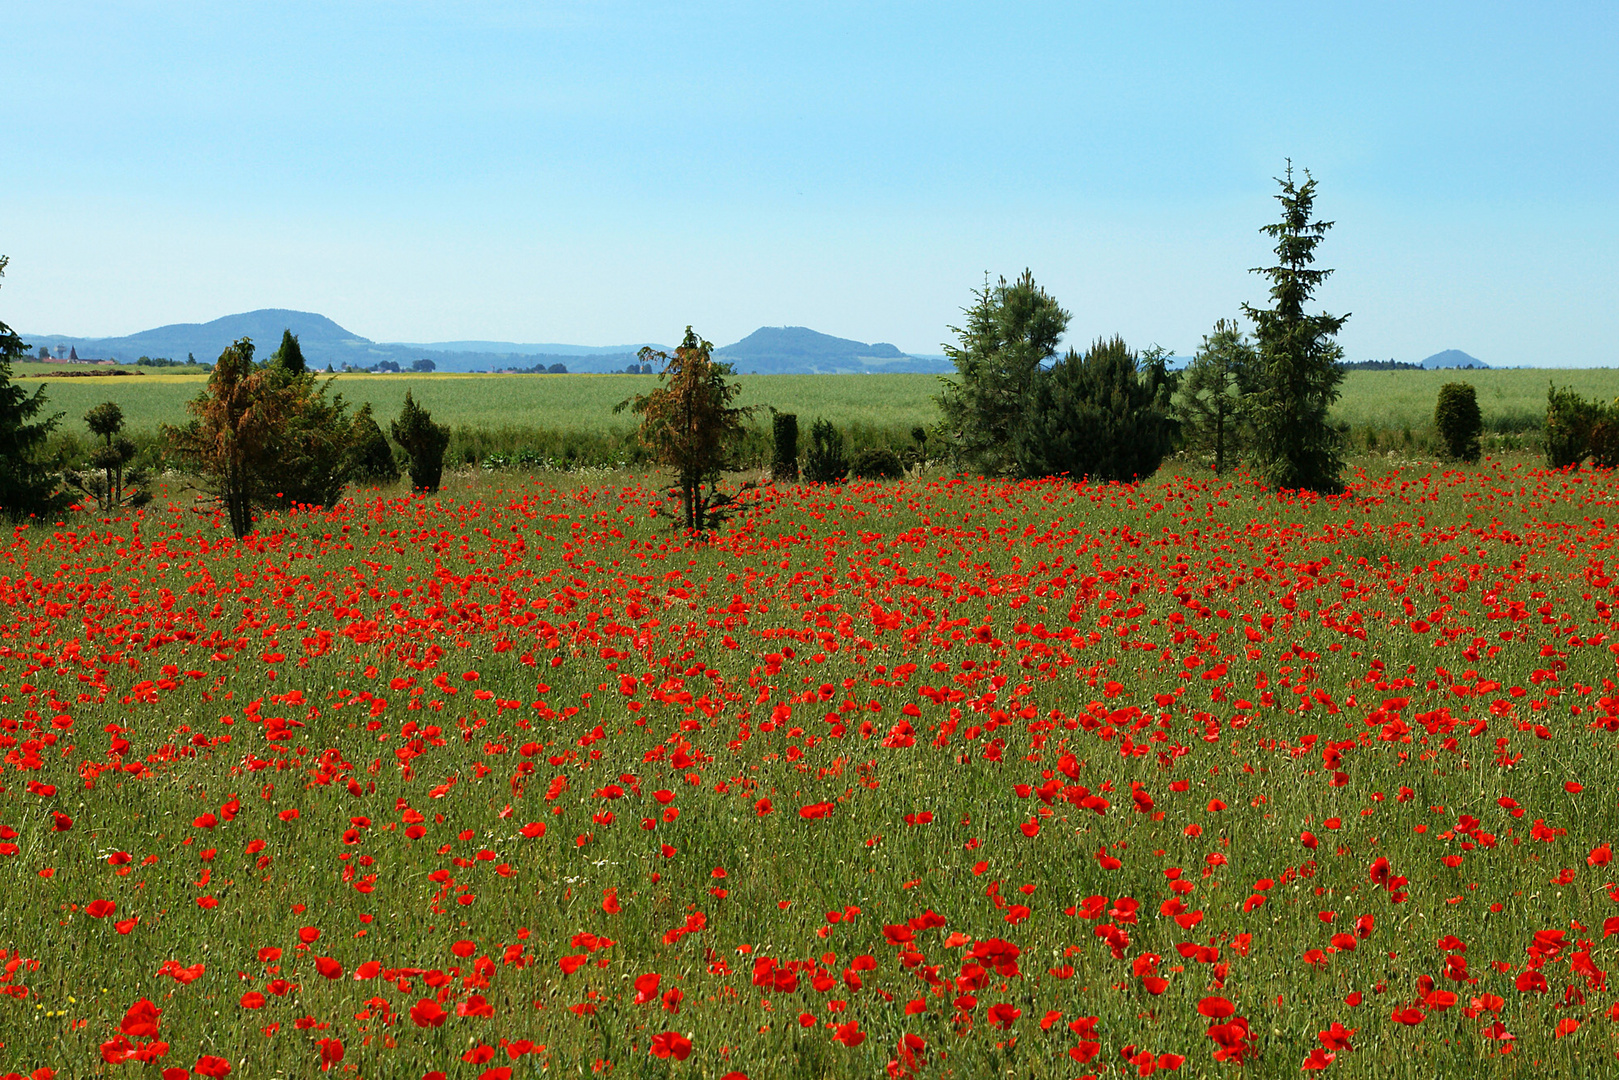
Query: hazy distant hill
point(770, 349)
point(317, 334)
point(1452, 358)
point(783, 349)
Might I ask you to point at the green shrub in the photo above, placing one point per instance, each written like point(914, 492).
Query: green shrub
point(371, 459)
point(424, 443)
point(1097, 416)
point(784, 459)
point(825, 462)
point(1571, 421)
point(1457, 417)
point(877, 463)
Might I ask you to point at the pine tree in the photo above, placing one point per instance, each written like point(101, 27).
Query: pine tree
point(111, 480)
point(1099, 416)
point(1295, 446)
point(1213, 391)
point(1011, 329)
point(27, 485)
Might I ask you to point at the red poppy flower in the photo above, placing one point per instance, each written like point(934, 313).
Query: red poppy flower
point(1216, 1008)
point(816, 810)
point(141, 1020)
point(427, 1013)
point(1004, 1016)
point(216, 1068)
point(331, 1052)
point(475, 1005)
point(100, 909)
point(671, 1044)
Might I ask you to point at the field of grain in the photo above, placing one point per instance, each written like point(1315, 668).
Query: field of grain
point(580, 403)
point(1512, 400)
point(1386, 401)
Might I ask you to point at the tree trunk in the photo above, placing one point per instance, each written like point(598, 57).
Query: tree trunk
point(237, 505)
point(688, 497)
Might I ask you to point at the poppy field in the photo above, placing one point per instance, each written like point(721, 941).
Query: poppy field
point(945, 778)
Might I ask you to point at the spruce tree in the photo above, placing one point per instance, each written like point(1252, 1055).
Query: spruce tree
point(1295, 446)
point(27, 485)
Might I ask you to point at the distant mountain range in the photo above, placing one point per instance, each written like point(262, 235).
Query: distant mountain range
point(768, 350)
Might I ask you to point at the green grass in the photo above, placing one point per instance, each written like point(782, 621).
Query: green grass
point(580, 403)
point(890, 649)
point(1509, 400)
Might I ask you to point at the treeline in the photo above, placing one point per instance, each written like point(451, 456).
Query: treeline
point(1257, 393)
point(1110, 413)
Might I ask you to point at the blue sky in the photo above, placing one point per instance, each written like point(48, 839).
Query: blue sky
point(609, 172)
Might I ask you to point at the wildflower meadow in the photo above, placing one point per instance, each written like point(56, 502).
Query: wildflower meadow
point(948, 778)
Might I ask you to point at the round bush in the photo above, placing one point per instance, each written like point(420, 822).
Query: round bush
point(877, 463)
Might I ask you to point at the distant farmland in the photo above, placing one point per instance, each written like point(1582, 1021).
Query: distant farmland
point(1383, 400)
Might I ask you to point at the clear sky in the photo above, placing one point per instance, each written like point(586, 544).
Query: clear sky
point(602, 172)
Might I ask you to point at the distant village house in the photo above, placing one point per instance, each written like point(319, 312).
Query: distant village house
point(72, 357)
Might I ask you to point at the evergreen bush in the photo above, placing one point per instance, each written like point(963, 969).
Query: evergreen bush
point(877, 463)
point(784, 459)
point(825, 463)
point(1457, 417)
point(1097, 416)
point(424, 443)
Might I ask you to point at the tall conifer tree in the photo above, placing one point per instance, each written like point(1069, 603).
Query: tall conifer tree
point(27, 485)
point(1011, 329)
point(1295, 446)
